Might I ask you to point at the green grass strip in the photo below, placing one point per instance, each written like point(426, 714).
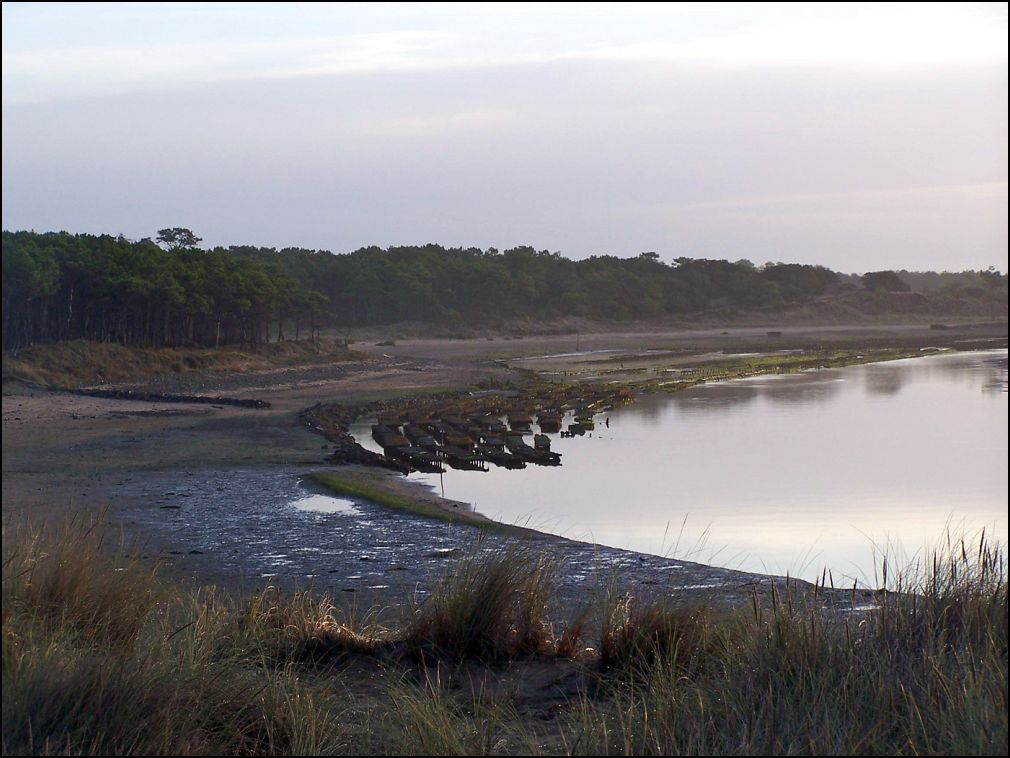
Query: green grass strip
point(352, 486)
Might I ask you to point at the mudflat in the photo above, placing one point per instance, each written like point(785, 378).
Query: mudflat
point(64, 451)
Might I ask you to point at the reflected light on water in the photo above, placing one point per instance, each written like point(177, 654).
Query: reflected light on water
point(777, 474)
point(326, 504)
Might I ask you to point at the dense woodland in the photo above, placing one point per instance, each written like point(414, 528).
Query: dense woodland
point(59, 286)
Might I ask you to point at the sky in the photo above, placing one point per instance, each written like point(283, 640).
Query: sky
point(860, 137)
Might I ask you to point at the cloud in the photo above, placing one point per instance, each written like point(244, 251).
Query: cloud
point(923, 36)
point(33, 76)
point(701, 132)
point(985, 191)
point(930, 36)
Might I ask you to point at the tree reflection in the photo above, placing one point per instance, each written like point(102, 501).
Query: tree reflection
point(885, 380)
point(805, 392)
point(715, 399)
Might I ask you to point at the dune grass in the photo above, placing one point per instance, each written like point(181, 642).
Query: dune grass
point(638, 633)
point(925, 672)
point(101, 657)
point(489, 605)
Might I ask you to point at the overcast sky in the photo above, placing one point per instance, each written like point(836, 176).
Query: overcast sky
point(858, 137)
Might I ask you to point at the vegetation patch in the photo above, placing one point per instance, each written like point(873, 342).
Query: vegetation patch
point(82, 363)
point(59, 286)
point(362, 485)
point(489, 605)
point(100, 657)
point(782, 363)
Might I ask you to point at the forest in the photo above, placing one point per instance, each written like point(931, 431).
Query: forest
point(169, 291)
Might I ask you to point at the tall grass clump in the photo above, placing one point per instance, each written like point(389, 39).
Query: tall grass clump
point(922, 672)
point(99, 659)
point(64, 578)
point(301, 628)
point(490, 604)
point(425, 719)
point(954, 598)
point(636, 633)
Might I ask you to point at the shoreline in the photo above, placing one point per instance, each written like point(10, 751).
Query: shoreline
point(427, 486)
point(64, 451)
point(374, 556)
point(380, 486)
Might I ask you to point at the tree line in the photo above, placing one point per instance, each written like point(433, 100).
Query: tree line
point(168, 291)
point(59, 286)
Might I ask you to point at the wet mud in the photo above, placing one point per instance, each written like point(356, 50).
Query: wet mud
point(251, 528)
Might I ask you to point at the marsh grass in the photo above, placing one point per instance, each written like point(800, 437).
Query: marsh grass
point(302, 628)
point(737, 367)
point(425, 719)
point(490, 604)
point(570, 643)
point(639, 633)
point(65, 579)
point(101, 658)
point(923, 672)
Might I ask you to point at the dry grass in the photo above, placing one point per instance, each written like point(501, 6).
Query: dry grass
point(923, 673)
point(490, 604)
point(425, 719)
point(100, 658)
point(64, 578)
point(636, 633)
point(301, 628)
point(81, 363)
point(571, 642)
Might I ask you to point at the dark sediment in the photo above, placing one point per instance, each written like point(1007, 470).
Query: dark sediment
point(163, 397)
point(237, 528)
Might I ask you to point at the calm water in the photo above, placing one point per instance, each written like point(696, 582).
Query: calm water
point(780, 474)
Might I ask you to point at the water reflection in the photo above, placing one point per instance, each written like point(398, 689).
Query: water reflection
point(996, 374)
point(794, 389)
point(989, 371)
point(711, 398)
point(792, 473)
point(809, 392)
point(326, 504)
point(649, 413)
point(884, 380)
